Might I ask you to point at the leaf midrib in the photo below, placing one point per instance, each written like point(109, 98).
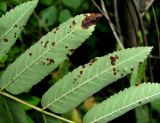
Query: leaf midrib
point(70, 91)
point(12, 80)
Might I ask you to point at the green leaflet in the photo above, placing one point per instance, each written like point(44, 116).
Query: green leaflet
point(43, 57)
point(122, 102)
point(11, 111)
point(86, 80)
point(12, 23)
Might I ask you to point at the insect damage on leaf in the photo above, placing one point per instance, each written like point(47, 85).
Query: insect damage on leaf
point(90, 19)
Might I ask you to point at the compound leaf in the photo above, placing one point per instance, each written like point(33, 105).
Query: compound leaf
point(43, 57)
point(86, 80)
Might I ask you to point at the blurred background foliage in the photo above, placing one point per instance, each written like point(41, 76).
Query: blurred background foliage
point(48, 15)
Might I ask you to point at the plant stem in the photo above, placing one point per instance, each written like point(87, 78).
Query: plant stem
point(34, 107)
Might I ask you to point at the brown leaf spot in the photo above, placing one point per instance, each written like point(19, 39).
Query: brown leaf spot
point(114, 69)
point(90, 19)
point(139, 102)
point(49, 61)
point(81, 72)
point(74, 22)
point(41, 42)
point(5, 40)
point(113, 60)
point(132, 69)
point(45, 45)
point(15, 34)
point(53, 43)
point(30, 54)
point(93, 60)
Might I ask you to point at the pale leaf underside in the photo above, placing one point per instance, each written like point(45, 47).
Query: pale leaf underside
point(122, 102)
point(86, 80)
point(43, 57)
point(12, 23)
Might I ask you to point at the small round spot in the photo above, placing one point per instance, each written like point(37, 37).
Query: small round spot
point(53, 43)
point(81, 72)
point(5, 40)
point(74, 22)
point(30, 54)
point(132, 69)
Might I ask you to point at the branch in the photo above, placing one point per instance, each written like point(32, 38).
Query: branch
point(34, 107)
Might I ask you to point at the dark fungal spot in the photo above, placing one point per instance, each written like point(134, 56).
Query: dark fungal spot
point(54, 32)
point(90, 64)
point(53, 43)
point(15, 34)
point(20, 27)
point(45, 45)
point(15, 25)
point(132, 69)
point(5, 40)
point(139, 102)
point(81, 72)
point(122, 75)
point(116, 57)
point(90, 19)
point(114, 69)
point(30, 54)
point(68, 55)
point(49, 61)
point(75, 79)
point(43, 63)
point(71, 50)
point(70, 26)
point(140, 62)
point(114, 73)
point(66, 47)
point(113, 60)
point(93, 60)
point(74, 22)
point(41, 42)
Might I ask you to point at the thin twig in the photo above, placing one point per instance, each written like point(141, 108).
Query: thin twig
point(111, 25)
point(143, 34)
point(104, 12)
point(34, 107)
point(148, 6)
point(140, 22)
point(41, 22)
point(117, 20)
point(156, 24)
